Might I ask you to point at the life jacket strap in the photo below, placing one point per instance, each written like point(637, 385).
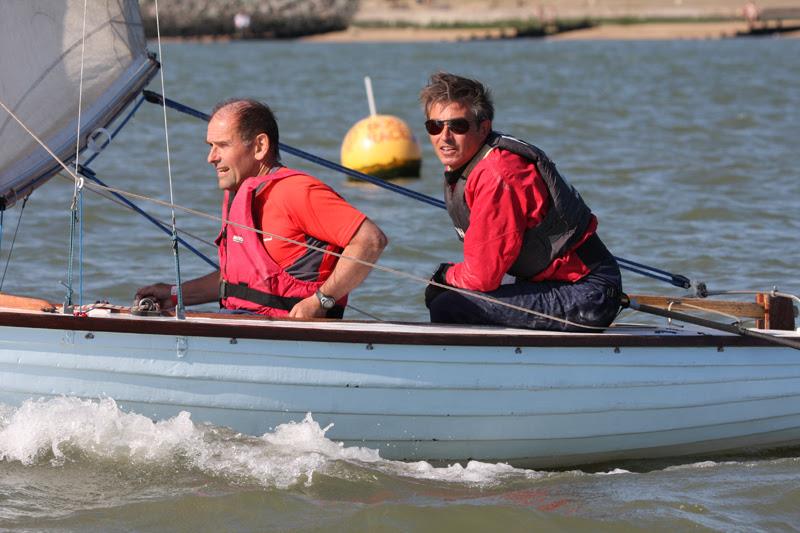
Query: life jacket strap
point(243, 292)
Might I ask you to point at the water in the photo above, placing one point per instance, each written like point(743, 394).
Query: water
point(685, 150)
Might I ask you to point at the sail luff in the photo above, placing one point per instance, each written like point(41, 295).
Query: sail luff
point(40, 43)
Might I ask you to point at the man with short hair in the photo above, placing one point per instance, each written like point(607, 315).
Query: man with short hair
point(284, 271)
point(516, 216)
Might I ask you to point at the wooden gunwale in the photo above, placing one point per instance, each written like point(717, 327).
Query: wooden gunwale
point(271, 329)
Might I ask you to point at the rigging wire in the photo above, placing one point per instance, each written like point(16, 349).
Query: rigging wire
point(124, 202)
point(76, 206)
point(375, 266)
point(674, 279)
point(180, 312)
point(13, 240)
point(85, 171)
point(773, 292)
point(286, 239)
point(160, 224)
point(740, 330)
point(134, 108)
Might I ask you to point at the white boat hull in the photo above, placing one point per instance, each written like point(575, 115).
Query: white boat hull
point(535, 403)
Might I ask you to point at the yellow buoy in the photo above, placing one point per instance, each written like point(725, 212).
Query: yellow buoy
point(382, 146)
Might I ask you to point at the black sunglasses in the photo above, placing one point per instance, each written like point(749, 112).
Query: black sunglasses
point(459, 126)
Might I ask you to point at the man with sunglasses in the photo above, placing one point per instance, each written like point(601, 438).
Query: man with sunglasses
point(285, 268)
point(530, 241)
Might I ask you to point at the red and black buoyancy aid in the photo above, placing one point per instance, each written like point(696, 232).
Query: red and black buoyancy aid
point(251, 279)
point(565, 223)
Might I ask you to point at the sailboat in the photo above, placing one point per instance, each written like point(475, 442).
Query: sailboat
point(413, 391)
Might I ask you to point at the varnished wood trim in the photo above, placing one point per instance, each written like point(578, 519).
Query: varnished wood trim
point(269, 330)
point(23, 302)
point(739, 309)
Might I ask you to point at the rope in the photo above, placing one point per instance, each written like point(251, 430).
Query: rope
point(80, 92)
point(710, 311)
point(626, 264)
point(13, 240)
point(773, 292)
point(85, 171)
point(180, 312)
point(76, 206)
point(124, 202)
point(121, 124)
point(393, 271)
point(370, 315)
point(73, 219)
point(173, 206)
point(98, 188)
point(160, 224)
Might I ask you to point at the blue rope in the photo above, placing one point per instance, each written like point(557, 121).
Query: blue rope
point(85, 171)
point(179, 308)
point(80, 248)
point(119, 127)
point(72, 223)
point(156, 98)
point(655, 273)
point(89, 173)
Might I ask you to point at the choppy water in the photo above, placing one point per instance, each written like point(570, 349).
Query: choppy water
point(687, 151)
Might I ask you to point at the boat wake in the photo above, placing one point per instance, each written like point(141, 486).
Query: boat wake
point(83, 455)
point(66, 429)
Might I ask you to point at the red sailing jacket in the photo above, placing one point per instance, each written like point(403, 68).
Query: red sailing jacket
point(506, 195)
point(242, 257)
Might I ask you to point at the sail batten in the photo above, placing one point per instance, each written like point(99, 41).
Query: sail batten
point(40, 61)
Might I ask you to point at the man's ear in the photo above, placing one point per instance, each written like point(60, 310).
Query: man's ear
point(261, 146)
point(485, 127)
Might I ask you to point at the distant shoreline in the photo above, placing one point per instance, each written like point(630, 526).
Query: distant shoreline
point(650, 30)
point(400, 31)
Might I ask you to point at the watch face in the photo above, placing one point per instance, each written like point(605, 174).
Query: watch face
point(326, 301)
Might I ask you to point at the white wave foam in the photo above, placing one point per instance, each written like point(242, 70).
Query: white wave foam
point(701, 465)
point(475, 473)
point(96, 427)
point(614, 472)
point(48, 430)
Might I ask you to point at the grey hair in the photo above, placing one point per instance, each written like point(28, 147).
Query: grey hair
point(444, 87)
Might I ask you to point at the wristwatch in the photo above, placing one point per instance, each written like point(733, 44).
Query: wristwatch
point(325, 301)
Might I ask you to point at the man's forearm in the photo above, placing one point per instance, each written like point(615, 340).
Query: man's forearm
point(366, 245)
point(201, 290)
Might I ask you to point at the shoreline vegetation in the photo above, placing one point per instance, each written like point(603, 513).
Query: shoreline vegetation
point(457, 20)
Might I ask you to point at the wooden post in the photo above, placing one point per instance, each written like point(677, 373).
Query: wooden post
point(778, 312)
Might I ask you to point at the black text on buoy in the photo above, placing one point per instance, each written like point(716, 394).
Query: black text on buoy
point(381, 145)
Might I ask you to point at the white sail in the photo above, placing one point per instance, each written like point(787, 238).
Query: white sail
point(42, 48)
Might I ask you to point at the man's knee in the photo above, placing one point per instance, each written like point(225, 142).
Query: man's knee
point(441, 308)
point(453, 308)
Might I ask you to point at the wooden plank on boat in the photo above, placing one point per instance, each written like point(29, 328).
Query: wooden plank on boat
point(728, 307)
point(23, 302)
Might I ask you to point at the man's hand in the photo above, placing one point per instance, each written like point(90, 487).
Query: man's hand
point(439, 276)
point(308, 308)
point(160, 292)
